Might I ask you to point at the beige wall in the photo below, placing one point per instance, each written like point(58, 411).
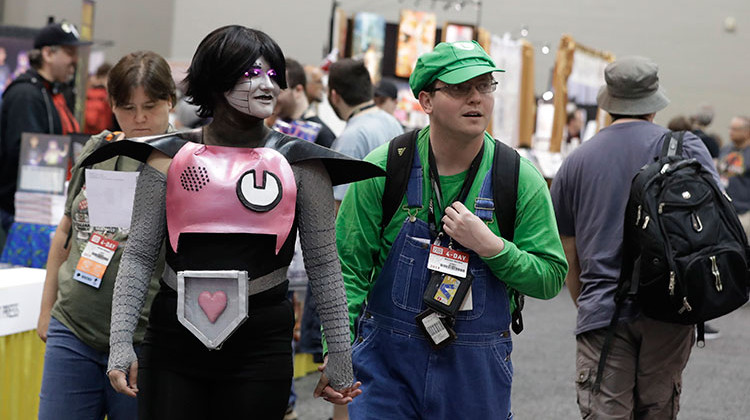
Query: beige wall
point(699, 61)
point(130, 24)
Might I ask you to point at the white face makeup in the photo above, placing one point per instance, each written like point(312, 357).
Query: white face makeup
point(256, 92)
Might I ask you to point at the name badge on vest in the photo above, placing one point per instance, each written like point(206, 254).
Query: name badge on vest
point(94, 260)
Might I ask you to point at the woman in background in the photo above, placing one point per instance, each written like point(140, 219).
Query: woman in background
point(76, 304)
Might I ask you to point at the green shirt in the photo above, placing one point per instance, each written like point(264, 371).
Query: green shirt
point(533, 264)
point(83, 309)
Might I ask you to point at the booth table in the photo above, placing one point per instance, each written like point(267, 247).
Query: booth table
point(21, 351)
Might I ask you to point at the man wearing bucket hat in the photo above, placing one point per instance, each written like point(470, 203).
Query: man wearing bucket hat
point(590, 191)
point(415, 358)
point(34, 103)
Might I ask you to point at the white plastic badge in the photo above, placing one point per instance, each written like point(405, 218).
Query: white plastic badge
point(448, 261)
point(435, 328)
point(94, 260)
point(110, 195)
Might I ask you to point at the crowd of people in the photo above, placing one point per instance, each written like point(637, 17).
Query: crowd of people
point(414, 249)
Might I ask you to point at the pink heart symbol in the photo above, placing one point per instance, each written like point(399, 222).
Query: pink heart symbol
point(213, 304)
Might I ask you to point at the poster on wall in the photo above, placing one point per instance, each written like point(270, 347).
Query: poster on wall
point(416, 36)
point(44, 162)
point(506, 53)
point(454, 32)
point(368, 40)
point(15, 44)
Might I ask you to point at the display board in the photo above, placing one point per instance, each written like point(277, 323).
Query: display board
point(582, 78)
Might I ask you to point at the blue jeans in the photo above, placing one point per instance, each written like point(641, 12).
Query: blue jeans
point(75, 384)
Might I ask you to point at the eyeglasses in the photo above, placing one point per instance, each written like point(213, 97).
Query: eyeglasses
point(464, 89)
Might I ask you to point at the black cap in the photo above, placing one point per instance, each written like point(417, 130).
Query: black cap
point(63, 33)
point(386, 89)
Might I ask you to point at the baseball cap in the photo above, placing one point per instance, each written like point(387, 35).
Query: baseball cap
point(62, 33)
point(452, 63)
point(386, 89)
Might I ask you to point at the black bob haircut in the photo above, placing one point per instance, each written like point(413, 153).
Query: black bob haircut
point(222, 58)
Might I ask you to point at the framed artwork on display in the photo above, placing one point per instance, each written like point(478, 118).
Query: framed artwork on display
point(416, 36)
point(368, 41)
point(44, 162)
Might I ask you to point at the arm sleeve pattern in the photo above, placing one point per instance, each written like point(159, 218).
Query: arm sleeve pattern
point(318, 240)
point(137, 265)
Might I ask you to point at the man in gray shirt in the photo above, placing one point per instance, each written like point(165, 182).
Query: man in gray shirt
point(367, 126)
point(642, 376)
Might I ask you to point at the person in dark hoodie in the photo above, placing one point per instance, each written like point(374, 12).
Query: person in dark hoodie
point(33, 103)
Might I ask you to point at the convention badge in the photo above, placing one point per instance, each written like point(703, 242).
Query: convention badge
point(448, 261)
point(446, 293)
point(212, 304)
point(436, 328)
point(94, 260)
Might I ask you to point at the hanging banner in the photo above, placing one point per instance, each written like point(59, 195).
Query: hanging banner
point(507, 54)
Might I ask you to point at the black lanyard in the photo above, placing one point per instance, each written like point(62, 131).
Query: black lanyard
point(358, 110)
point(437, 191)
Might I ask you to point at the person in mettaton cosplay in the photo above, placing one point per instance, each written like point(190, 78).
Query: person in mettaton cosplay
point(227, 200)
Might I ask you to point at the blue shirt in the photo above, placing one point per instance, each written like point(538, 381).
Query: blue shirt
point(364, 133)
point(590, 192)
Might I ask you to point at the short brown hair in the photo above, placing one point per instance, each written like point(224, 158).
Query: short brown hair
point(141, 68)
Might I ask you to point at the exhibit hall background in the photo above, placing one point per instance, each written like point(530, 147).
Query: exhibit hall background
point(699, 61)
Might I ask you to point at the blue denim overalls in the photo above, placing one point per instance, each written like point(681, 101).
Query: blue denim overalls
point(402, 376)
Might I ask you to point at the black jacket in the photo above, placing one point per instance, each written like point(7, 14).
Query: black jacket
point(27, 107)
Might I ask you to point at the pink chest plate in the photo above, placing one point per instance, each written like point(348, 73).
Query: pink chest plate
point(217, 189)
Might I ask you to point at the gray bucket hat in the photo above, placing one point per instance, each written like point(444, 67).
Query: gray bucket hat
point(632, 88)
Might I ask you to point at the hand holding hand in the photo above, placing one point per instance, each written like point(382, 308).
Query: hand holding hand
point(341, 397)
point(122, 385)
point(470, 231)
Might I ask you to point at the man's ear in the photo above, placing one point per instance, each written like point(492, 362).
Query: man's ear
point(46, 53)
point(333, 96)
point(425, 100)
point(298, 90)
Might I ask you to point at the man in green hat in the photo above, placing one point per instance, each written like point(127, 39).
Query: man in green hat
point(432, 284)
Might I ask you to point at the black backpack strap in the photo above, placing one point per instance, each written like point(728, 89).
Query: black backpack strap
point(505, 167)
point(400, 156)
point(608, 342)
point(672, 145)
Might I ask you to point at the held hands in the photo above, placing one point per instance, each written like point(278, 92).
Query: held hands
point(123, 385)
point(470, 231)
point(341, 397)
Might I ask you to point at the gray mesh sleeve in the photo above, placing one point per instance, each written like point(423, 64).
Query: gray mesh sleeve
point(139, 258)
point(318, 239)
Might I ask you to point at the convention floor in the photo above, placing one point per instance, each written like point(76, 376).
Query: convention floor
point(715, 383)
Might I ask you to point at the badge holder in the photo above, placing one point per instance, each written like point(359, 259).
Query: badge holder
point(212, 304)
point(445, 293)
point(436, 327)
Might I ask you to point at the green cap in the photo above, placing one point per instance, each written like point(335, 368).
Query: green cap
point(452, 63)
